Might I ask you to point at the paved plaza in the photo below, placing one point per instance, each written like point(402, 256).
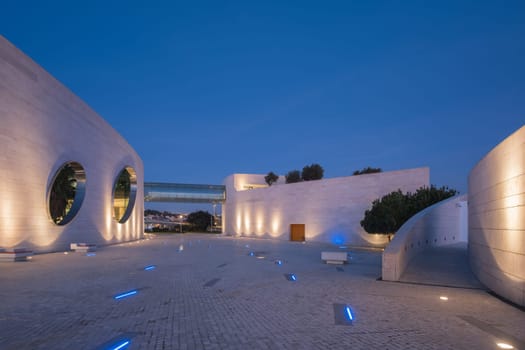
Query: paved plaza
point(214, 292)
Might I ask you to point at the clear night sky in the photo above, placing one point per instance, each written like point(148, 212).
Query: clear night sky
point(204, 89)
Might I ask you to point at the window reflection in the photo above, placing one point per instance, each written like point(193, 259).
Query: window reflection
point(124, 192)
point(67, 193)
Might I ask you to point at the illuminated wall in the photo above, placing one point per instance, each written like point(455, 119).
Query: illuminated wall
point(42, 126)
point(497, 218)
point(443, 223)
point(330, 208)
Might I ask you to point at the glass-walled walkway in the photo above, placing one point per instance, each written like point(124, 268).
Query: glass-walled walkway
point(188, 193)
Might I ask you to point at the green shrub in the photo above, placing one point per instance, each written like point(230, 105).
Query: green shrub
point(391, 211)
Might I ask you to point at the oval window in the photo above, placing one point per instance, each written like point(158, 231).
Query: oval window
point(67, 192)
point(124, 192)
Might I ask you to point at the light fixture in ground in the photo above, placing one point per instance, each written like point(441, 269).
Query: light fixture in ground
point(125, 295)
point(122, 345)
point(504, 346)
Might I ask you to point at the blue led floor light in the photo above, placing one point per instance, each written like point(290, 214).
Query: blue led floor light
point(290, 277)
point(125, 295)
point(343, 314)
point(348, 312)
point(120, 342)
point(121, 346)
point(150, 267)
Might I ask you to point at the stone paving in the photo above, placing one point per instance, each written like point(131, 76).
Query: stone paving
point(444, 265)
point(209, 292)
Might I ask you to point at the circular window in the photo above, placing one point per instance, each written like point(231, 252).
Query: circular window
point(67, 192)
point(124, 192)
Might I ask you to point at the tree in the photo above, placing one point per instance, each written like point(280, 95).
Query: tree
point(271, 178)
point(312, 172)
point(387, 214)
point(426, 196)
point(199, 220)
point(367, 170)
point(391, 211)
point(293, 176)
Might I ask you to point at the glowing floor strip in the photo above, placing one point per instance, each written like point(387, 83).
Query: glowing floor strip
point(349, 313)
point(121, 346)
point(149, 268)
point(293, 277)
point(124, 295)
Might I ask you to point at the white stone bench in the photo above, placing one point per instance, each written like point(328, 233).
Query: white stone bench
point(15, 254)
point(83, 247)
point(334, 257)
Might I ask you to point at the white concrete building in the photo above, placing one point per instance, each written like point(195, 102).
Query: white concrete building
point(330, 209)
point(497, 218)
point(49, 136)
point(444, 223)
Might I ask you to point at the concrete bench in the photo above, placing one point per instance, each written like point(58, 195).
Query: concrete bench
point(83, 247)
point(15, 254)
point(334, 257)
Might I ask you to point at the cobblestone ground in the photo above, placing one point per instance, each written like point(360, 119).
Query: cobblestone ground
point(213, 294)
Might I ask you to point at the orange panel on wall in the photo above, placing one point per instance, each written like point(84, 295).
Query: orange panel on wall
point(297, 232)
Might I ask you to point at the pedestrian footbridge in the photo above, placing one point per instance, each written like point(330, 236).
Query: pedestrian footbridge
point(187, 193)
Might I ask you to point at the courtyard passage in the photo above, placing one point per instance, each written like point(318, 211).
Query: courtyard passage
point(200, 291)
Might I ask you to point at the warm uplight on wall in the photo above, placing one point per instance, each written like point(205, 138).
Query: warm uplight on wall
point(514, 212)
point(119, 232)
point(239, 182)
point(504, 346)
point(275, 224)
point(247, 224)
point(259, 221)
point(238, 220)
point(7, 221)
point(374, 238)
point(108, 220)
point(247, 221)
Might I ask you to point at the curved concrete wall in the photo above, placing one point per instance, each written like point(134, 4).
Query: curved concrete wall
point(441, 224)
point(43, 125)
point(497, 218)
point(331, 209)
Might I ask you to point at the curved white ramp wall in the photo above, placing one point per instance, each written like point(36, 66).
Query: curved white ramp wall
point(497, 218)
point(331, 209)
point(42, 126)
point(441, 224)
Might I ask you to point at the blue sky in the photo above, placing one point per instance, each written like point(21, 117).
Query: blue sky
point(203, 89)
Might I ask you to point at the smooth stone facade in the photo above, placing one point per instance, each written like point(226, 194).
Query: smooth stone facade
point(43, 125)
point(331, 209)
point(441, 224)
point(497, 218)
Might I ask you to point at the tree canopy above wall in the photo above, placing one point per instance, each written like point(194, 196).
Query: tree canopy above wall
point(367, 170)
point(391, 211)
